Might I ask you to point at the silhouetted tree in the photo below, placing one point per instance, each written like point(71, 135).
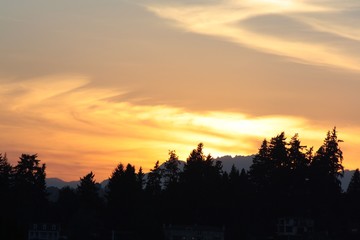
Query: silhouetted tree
point(153, 183)
point(297, 157)
point(201, 181)
point(140, 176)
point(324, 182)
point(7, 221)
point(352, 207)
point(115, 186)
point(88, 191)
point(326, 166)
point(5, 176)
point(234, 174)
point(198, 167)
point(278, 152)
point(171, 170)
point(354, 185)
point(124, 195)
point(67, 207)
point(261, 168)
point(87, 222)
point(28, 192)
point(29, 184)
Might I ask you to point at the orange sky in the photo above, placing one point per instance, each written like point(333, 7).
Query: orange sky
point(87, 85)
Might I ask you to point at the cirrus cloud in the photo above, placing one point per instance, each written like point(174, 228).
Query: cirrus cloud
point(227, 19)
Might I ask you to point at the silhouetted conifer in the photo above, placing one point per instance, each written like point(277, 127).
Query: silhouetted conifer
point(7, 220)
point(29, 184)
point(326, 166)
point(171, 170)
point(261, 168)
point(153, 183)
point(5, 174)
point(354, 185)
point(140, 176)
point(88, 191)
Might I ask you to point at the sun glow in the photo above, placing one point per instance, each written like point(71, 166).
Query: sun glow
point(283, 4)
point(71, 122)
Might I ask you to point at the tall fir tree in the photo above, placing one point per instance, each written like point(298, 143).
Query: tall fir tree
point(261, 168)
point(154, 180)
point(171, 170)
point(354, 185)
point(88, 191)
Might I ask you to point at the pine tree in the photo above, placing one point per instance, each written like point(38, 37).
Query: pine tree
point(299, 163)
point(278, 152)
point(297, 157)
point(88, 191)
point(261, 168)
point(326, 165)
point(114, 186)
point(140, 176)
point(354, 185)
point(171, 170)
point(153, 183)
point(29, 181)
point(5, 175)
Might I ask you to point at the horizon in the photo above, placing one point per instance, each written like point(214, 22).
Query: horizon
point(88, 85)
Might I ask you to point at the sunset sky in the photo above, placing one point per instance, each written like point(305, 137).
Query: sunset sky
point(87, 84)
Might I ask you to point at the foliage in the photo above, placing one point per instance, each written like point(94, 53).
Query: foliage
point(285, 179)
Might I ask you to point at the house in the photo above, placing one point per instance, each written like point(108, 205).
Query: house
point(294, 227)
point(44, 231)
point(193, 232)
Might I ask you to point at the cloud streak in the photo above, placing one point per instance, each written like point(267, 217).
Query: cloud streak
point(73, 126)
point(225, 18)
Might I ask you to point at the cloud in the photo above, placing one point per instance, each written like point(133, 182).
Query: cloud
point(76, 128)
point(225, 19)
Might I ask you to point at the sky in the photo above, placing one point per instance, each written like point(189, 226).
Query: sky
point(89, 84)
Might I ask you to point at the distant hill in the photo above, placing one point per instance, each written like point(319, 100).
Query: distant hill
point(238, 161)
point(57, 182)
point(346, 179)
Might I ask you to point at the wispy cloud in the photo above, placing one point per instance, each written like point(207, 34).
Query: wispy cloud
point(225, 19)
point(73, 126)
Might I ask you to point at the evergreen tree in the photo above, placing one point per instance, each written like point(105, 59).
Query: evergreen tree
point(325, 186)
point(87, 222)
point(201, 182)
point(115, 186)
point(29, 182)
point(297, 156)
point(261, 168)
point(352, 197)
point(278, 152)
point(7, 220)
point(234, 175)
point(140, 176)
point(171, 170)
point(88, 191)
point(5, 175)
point(197, 166)
point(130, 179)
point(28, 192)
point(67, 207)
point(153, 183)
point(299, 164)
point(354, 185)
point(123, 194)
point(326, 165)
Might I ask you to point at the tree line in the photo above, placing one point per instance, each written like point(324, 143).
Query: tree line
point(286, 179)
